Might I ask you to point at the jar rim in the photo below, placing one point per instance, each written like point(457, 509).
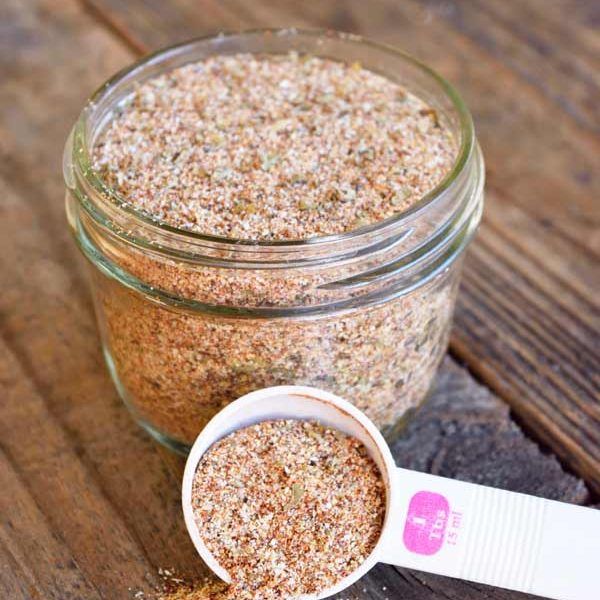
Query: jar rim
point(82, 162)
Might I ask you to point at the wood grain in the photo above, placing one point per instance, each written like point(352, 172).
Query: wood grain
point(45, 563)
point(540, 353)
point(72, 502)
point(463, 431)
point(90, 504)
point(548, 54)
point(14, 583)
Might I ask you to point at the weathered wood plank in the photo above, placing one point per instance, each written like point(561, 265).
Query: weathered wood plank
point(465, 432)
point(551, 326)
point(160, 18)
point(45, 565)
point(556, 415)
point(565, 273)
point(14, 582)
point(46, 314)
point(578, 32)
point(581, 22)
point(64, 429)
point(72, 502)
point(548, 57)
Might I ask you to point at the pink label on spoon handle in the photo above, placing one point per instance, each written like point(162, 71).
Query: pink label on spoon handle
point(426, 523)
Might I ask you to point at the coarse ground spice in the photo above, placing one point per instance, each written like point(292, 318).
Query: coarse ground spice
point(288, 507)
point(180, 369)
point(269, 148)
point(209, 588)
point(284, 147)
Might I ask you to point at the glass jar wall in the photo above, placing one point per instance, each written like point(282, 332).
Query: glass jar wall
point(189, 322)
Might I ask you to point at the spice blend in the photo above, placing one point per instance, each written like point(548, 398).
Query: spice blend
point(288, 507)
point(268, 148)
point(284, 147)
point(208, 588)
point(180, 369)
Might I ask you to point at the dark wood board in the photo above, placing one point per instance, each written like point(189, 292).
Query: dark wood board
point(89, 504)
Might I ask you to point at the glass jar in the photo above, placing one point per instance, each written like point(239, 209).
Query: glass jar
point(189, 322)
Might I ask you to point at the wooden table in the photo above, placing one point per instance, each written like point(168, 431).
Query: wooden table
point(89, 505)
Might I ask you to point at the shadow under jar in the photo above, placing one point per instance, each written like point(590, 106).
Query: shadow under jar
point(190, 322)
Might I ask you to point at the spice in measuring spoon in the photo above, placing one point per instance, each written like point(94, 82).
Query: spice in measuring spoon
point(431, 523)
point(288, 507)
point(273, 147)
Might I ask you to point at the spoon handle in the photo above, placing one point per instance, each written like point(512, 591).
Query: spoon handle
point(493, 536)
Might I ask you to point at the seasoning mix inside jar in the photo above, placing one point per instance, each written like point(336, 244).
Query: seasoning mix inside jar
point(273, 207)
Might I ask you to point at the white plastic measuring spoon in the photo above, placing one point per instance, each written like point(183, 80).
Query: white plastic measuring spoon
point(433, 524)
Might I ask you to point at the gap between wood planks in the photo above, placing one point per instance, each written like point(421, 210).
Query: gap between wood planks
point(115, 27)
point(34, 548)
